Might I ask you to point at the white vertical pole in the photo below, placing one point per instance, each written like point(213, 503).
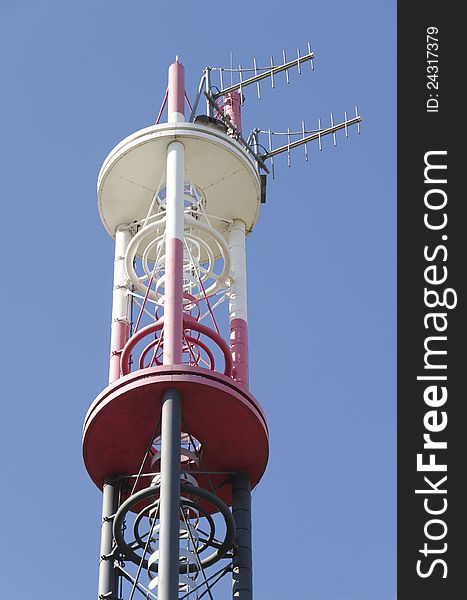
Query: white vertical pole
point(238, 314)
point(120, 302)
point(173, 297)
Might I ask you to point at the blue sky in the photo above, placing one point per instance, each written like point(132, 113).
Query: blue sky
point(76, 78)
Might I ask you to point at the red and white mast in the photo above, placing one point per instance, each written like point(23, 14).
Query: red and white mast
point(173, 302)
point(169, 504)
point(238, 311)
point(177, 437)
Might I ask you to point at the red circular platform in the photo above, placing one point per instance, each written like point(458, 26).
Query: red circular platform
point(225, 418)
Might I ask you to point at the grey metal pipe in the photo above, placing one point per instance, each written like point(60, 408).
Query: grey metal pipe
point(169, 541)
point(108, 580)
point(242, 575)
point(208, 91)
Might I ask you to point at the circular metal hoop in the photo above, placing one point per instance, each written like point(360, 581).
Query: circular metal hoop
point(153, 228)
point(189, 323)
point(190, 490)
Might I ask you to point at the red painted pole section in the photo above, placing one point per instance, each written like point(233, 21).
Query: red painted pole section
point(173, 301)
point(120, 333)
point(239, 349)
point(233, 108)
point(176, 91)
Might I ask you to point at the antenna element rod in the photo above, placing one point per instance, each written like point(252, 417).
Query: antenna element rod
point(269, 73)
point(311, 138)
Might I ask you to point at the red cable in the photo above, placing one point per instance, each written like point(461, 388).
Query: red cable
point(157, 347)
point(207, 302)
point(144, 303)
point(163, 106)
point(188, 102)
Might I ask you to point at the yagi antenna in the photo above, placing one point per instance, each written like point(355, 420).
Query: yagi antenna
point(304, 137)
point(261, 73)
point(223, 107)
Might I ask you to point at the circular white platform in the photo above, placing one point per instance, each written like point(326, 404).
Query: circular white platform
point(214, 162)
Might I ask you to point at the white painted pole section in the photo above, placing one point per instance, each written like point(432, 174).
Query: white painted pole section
point(238, 314)
point(176, 117)
point(238, 291)
point(120, 302)
point(173, 301)
point(175, 191)
point(120, 298)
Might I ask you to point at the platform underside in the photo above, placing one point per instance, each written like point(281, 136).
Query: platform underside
point(225, 418)
point(218, 165)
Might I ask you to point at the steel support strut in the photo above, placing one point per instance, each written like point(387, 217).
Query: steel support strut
point(170, 495)
point(108, 579)
point(242, 576)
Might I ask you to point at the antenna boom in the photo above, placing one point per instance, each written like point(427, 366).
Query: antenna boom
point(270, 73)
point(311, 138)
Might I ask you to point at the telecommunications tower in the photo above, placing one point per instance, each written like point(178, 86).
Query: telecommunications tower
point(176, 441)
